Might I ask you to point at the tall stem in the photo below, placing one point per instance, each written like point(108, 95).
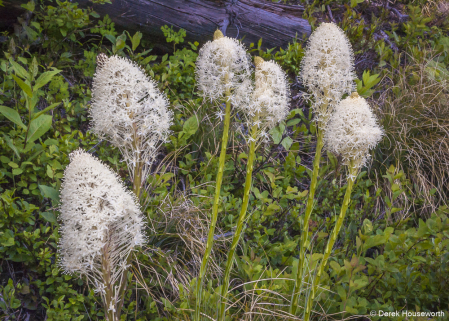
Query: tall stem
point(137, 183)
point(331, 241)
point(123, 286)
point(238, 231)
point(210, 237)
point(305, 226)
point(109, 288)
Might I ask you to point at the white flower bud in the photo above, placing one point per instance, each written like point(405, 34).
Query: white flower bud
point(327, 69)
point(222, 65)
point(128, 109)
point(100, 220)
point(352, 131)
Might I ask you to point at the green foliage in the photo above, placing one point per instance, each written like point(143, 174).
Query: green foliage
point(289, 58)
point(368, 81)
point(388, 256)
point(9, 303)
point(354, 3)
point(173, 36)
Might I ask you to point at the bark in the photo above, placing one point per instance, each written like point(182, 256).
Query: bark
point(277, 24)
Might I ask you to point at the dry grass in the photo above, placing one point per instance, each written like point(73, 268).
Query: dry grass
point(414, 111)
point(178, 230)
point(438, 9)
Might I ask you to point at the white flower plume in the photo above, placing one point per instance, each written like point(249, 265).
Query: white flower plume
point(222, 65)
point(271, 93)
point(327, 69)
point(101, 222)
point(267, 103)
point(129, 110)
point(352, 131)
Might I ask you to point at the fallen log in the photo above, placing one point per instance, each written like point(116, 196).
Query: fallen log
point(277, 24)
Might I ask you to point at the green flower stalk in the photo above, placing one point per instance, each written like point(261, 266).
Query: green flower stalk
point(327, 71)
point(222, 66)
point(267, 106)
point(351, 133)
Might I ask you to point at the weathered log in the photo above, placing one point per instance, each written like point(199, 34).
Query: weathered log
point(10, 11)
point(277, 24)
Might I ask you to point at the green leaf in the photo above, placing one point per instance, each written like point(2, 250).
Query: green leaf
point(368, 81)
point(28, 147)
point(136, 40)
point(341, 292)
point(373, 241)
point(272, 208)
point(32, 35)
point(9, 242)
point(29, 6)
point(287, 143)
point(17, 171)
point(276, 133)
point(354, 3)
point(121, 42)
point(312, 127)
point(20, 71)
point(49, 172)
point(34, 67)
point(38, 127)
point(13, 165)
point(46, 110)
point(111, 38)
point(11, 145)
point(48, 216)
point(45, 78)
point(293, 122)
point(190, 126)
point(26, 88)
point(367, 226)
point(49, 192)
point(335, 266)
point(12, 115)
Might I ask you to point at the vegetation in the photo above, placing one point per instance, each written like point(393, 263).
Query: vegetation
point(392, 250)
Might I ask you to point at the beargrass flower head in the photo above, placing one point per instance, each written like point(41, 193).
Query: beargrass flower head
point(267, 101)
point(271, 92)
point(101, 222)
point(352, 131)
point(128, 109)
point(327, 69)
point(221, 67)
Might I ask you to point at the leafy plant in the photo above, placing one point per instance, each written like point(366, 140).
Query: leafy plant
point(38, 122)
point(366, 83)
point(173, 36)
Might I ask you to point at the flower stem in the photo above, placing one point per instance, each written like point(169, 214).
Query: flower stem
point(219, 179)
point(331, 241)
point(137, 184)
point(238, 231)
point(109, 288)
point(305, 226)
point(123, 286)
